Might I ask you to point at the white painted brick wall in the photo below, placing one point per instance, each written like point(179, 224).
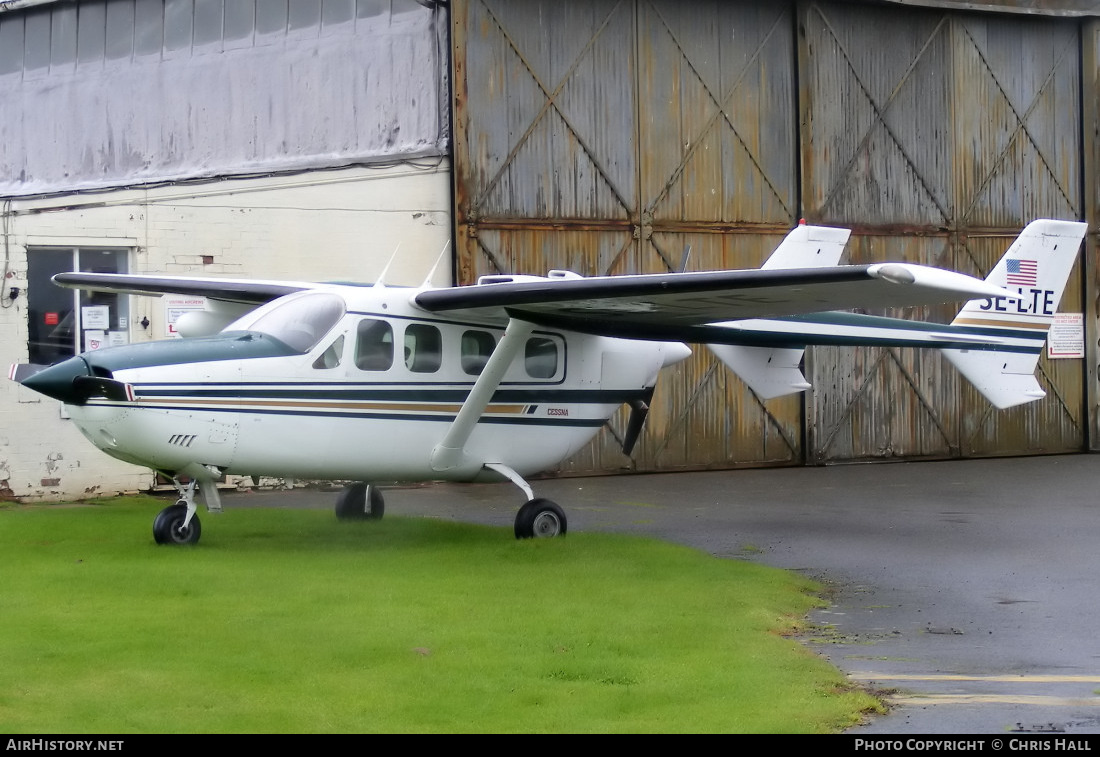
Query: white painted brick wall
point(331, 225)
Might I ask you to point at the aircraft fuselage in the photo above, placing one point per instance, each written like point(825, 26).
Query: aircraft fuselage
point(369, 399)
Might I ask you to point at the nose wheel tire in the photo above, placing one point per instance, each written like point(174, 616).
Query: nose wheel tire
point(168, 527)
point(539, 519)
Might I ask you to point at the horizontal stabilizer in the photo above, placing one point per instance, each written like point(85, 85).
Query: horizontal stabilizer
point(768, 371)
point(1006, 380)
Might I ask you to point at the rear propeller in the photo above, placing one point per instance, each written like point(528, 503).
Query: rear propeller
point(639, 409)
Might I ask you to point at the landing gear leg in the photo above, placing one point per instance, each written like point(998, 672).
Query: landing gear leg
point(178, 524)
point(360, 501)
point(538, 518)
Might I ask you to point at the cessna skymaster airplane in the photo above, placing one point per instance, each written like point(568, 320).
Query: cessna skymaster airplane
point(511, 375)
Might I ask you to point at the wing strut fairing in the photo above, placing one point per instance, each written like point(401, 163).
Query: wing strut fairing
point(449, 452)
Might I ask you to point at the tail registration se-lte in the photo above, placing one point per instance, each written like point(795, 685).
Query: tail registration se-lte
point(509, 376)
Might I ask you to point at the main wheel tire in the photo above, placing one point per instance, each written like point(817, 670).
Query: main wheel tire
point(168, 526)
point(540, 519)
point(360, 502)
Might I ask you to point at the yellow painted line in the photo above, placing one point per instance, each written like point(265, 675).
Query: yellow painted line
point(927, 699)
point(865, 675)
point(1028, 699)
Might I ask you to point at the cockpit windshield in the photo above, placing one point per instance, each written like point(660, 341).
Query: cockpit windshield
point(299, 322)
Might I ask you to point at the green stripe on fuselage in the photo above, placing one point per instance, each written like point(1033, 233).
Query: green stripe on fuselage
point(236, 345)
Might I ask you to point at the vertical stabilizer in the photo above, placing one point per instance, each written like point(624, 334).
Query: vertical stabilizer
point(1037, 266)
point(808, 247)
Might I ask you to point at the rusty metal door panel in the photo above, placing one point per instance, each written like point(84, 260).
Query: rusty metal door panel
point(701, 415)
point(716, 423)
point(861, 414)
point(717, 113)
point(961, 130)
point(876, 142)
point(1090, 127)
point(885, 402)
point(962, 120)
point(1017, 114)
point(535, 248)
point(616, 137)
point(545, 115)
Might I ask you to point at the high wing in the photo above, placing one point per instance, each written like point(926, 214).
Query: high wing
point(227, 299)
point(670, 306)
point(649, 306)
point(240, 291)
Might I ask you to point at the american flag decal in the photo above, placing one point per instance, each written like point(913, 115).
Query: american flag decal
point(1022, 272)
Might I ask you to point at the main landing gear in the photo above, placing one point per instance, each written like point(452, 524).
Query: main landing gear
point(538, 518)
point(360, 501)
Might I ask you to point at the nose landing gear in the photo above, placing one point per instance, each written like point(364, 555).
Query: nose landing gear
point(178, 524)
point(172, 526)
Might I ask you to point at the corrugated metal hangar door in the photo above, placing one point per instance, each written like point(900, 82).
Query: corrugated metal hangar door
point(938, 147)
point(624, 136)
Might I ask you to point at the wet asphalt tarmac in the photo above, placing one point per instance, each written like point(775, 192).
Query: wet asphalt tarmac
point(967, 590)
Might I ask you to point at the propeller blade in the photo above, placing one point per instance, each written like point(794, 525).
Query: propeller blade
point(20, 371)
point(638, 412)
point(86, 387)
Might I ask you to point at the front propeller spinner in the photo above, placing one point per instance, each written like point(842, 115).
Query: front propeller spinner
point(71, 381)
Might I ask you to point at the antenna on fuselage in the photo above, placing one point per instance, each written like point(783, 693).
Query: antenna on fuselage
point(386, 269)
point(428, 278)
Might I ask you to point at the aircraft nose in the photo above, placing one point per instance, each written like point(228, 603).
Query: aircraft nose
point(58, 380)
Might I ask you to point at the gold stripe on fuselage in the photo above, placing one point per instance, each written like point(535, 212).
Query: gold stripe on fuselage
point(1000, 324)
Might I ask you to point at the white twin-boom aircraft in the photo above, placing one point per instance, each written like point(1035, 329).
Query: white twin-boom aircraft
point(511, 375)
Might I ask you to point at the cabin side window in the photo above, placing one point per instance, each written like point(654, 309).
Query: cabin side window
point(540, 357)
point(423, 348)
point(330, 358)
point(374, 345)
point(475, 349)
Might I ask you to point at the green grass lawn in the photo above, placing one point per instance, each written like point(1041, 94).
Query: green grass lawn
point(289, 621)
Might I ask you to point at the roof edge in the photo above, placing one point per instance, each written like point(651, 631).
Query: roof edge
point(1053, 8)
